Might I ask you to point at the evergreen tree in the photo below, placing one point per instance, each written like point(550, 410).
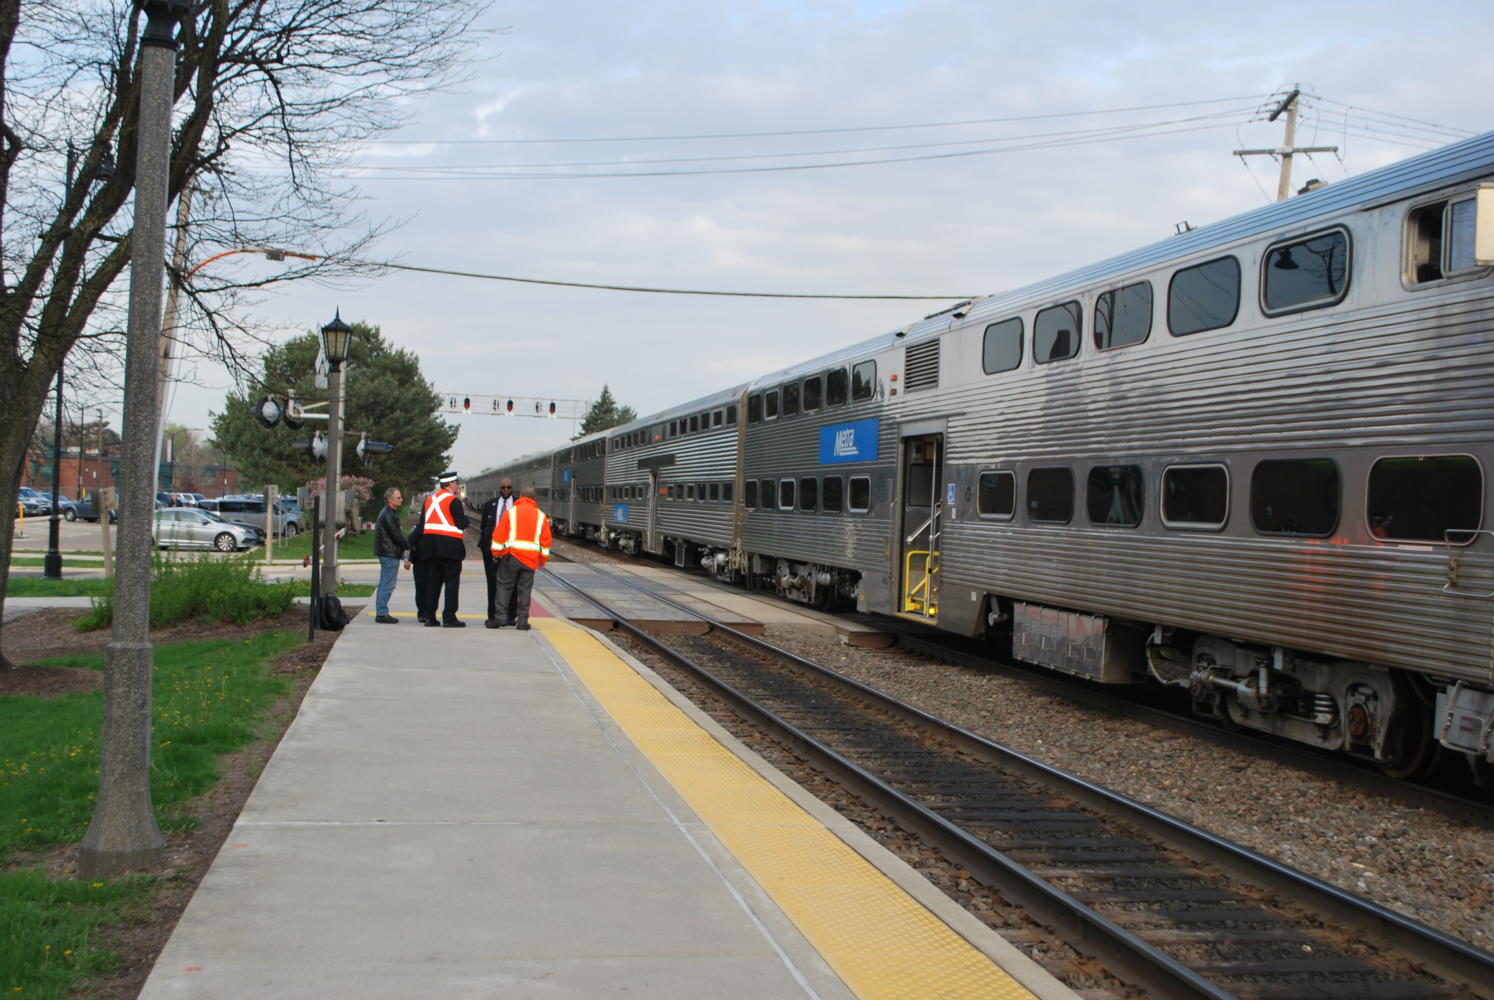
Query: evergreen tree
point(605, 413)
point(386, 396)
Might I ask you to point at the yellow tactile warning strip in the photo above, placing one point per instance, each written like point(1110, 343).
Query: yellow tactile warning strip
point(877, 938)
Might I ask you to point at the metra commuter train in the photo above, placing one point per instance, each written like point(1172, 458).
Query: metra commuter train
point(1250, 460)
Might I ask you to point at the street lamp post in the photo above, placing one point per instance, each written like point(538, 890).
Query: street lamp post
point(123, 833)
point(52, 563)
point(336, 336)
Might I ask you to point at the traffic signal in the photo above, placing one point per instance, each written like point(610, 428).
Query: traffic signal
point(267, 411)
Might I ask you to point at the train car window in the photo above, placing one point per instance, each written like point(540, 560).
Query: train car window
point(1113, 495)
point(1195, 497)
point(1056, 331)
point(864, 380)
point(689, 491)
point(859, 499)
point(809, 494)
point(1439, 240)
point(718, 417)
point(749, 493)
point(1204, 297)
point(1305, 274)
point(832, 495)
point(790, 398)
point(694, 423)
point(996, 495)
point(785, 494)
point(813, 393)
point(1001, 348)
point(669, 492)
point(731, 415)
point(1050, 495)
point(1426, 498)
point(715, 492)
point(754, 409)
point(770, 404)
point(727, 490)
point(700, 492)
point(768, 494)
point(837, 387)
point(1124, 316)
point(1297, 496)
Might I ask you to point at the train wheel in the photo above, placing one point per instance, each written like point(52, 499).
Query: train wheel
point(1410, 751)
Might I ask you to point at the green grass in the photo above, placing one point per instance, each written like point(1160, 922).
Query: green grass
point(359, 546)
point(35, 586)
point(209, 698)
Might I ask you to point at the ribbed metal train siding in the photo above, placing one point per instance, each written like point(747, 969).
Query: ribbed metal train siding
point(1410, 375)
point(702, 457)
point(788, 447)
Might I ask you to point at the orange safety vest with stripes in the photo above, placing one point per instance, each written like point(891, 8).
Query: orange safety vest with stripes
point(524, 533)
point(438, 515)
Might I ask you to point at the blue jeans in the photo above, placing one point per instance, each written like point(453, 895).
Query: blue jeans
point(388, 571)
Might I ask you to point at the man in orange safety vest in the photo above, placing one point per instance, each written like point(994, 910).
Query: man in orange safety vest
point(521, 544)
point(443, 534)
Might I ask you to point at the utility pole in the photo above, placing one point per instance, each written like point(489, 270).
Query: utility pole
point(1288, 106)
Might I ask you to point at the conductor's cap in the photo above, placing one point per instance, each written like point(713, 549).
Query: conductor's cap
point(447, 478)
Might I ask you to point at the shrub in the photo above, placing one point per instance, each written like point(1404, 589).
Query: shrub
point(223, 590)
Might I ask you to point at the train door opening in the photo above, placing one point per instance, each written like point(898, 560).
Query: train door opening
point(921, 470)
point(651, 524)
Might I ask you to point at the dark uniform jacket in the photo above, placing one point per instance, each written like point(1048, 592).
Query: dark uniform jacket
point(487, 524)
point(438, 546)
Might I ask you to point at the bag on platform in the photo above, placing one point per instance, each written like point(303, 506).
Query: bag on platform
point(332, 614)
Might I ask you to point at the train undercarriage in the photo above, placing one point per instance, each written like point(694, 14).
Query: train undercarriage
point(1399, 720)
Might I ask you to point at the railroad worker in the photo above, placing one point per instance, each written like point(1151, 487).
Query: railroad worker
point(390, 545)
point(443, 529)
point(420, 560)
point(521, 541)
point(492, 510)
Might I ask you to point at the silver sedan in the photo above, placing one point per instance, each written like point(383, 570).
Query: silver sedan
point(190, 528)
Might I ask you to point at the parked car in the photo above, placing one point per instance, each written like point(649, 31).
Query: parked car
point(189, 528)
point(251, 510)
point(66, 506)
point(32, 503)
point(87, 510)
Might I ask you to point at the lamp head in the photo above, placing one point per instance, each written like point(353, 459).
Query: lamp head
point(336, 336)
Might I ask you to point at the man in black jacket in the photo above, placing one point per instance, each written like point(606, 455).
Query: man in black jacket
point(443, 534)
point(491, 512)
point(391, 546)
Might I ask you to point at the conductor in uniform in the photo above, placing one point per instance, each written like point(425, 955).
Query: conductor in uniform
point(443, 532)
point(491, 511)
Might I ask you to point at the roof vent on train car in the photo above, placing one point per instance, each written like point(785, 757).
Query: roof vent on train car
point(921, 365)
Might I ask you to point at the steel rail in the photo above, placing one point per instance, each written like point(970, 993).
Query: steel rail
point(1444, 955)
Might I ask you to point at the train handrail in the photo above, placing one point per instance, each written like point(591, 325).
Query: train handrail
point(1454, 561)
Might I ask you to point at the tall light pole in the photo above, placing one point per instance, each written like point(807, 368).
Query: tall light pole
point(123, 832)
point(52, 562)
point(336, 336)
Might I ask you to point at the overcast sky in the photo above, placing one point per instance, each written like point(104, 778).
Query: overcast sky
point(1203, 75)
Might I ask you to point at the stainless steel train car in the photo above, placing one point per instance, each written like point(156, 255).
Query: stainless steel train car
point(1249, 461)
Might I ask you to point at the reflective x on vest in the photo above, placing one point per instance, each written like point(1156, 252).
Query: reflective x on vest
point(438, 515)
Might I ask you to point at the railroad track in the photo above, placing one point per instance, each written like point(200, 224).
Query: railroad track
point(1449, 793)
point(1163, 905)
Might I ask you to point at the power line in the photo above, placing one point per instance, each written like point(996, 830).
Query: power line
point(815, 131)
point(1021, 147)
point(275, 254)
point(1097, 134)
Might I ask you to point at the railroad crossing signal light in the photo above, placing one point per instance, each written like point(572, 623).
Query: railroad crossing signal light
point(552, 409)
point(510, 406)
point(267, 411)
point(466, 402)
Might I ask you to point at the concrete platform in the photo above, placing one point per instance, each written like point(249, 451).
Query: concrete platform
point(494, 813)
point(647, 613)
